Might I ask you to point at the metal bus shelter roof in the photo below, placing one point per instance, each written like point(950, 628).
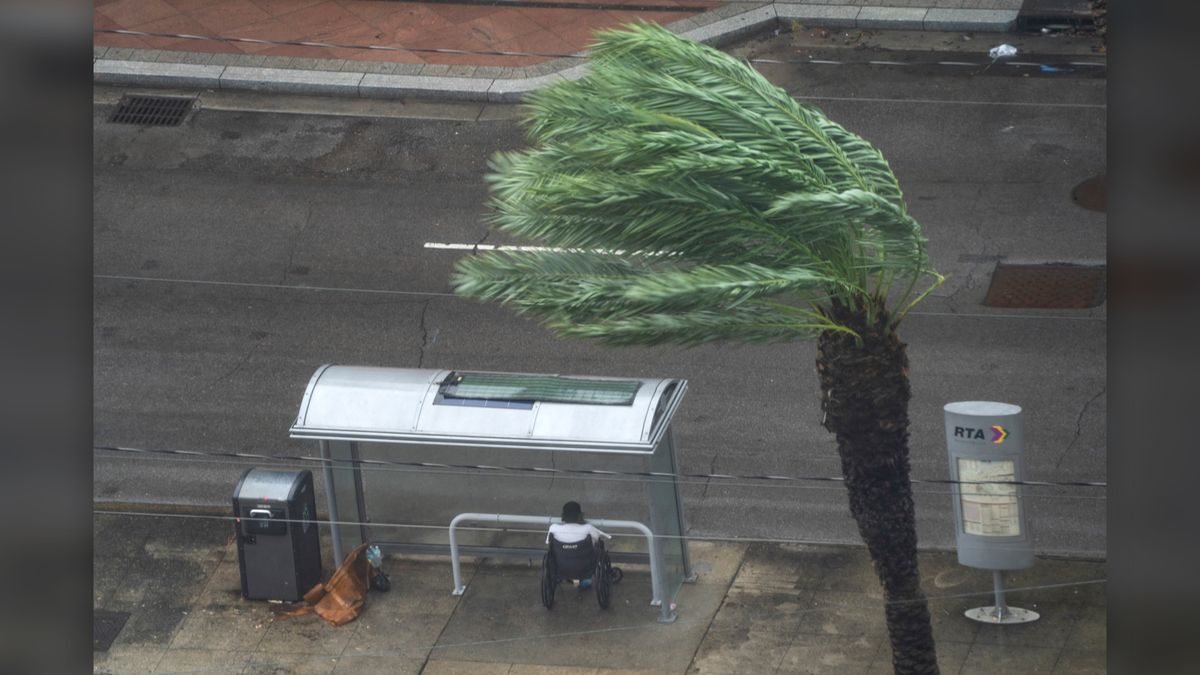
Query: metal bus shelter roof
point(487, 409)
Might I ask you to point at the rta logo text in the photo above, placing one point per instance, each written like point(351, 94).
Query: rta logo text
point(998, 434)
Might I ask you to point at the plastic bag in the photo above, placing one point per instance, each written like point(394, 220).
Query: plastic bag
point(379, 580)
point(1002, 51)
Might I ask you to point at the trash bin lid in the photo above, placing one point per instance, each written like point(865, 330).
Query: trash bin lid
point(269, 485)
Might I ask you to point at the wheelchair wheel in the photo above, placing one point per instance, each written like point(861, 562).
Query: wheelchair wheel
point(604, 580)
point(548, 581)
point(616, 574)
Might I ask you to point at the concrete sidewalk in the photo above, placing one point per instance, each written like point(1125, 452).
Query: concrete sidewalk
point(390, 49)
point(756, 608)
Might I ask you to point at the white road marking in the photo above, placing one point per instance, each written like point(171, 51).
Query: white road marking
point(507, 247)
point(486, 247)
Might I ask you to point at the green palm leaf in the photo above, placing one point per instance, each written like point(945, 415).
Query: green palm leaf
point(587, 284)
point(754, 322)
point(677, 185)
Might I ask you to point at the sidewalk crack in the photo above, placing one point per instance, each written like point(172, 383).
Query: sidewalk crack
point(712, 468)
point(260, 335)
point(295, 241)
point(425, 342)
point(724, 599)
point(237, 366)
point(475, 248)
point(458, 601)
point(1079, 426)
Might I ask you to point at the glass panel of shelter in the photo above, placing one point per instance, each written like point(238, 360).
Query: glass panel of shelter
point(347, 509)
point(667, 516)
point(410, 506)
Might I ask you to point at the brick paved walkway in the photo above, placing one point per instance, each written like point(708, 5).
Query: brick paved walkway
point(407, 34)
point(474, 27)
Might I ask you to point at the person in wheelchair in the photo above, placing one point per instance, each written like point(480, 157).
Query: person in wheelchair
point(576, 552)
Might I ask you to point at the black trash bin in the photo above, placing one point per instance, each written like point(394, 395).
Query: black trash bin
point(279, 548)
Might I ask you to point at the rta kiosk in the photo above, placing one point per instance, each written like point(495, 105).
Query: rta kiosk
point(986, 442)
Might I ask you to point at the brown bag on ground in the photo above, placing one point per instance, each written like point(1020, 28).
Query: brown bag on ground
point(341, 599)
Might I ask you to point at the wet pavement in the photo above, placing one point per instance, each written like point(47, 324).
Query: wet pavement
point(754, 608)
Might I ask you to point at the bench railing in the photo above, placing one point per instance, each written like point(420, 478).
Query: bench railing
point(657, 570)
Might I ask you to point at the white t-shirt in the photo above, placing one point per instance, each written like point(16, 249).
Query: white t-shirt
point(569, 533)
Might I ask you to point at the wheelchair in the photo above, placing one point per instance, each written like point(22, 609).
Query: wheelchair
point(578, 560)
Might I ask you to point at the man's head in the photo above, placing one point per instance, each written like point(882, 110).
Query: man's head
point(572, 513)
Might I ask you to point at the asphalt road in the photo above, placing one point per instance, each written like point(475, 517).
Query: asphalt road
point(237, 253)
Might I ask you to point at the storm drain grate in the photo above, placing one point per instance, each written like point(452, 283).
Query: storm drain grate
point(1052, 286)
point(158, 111)
point(106, 626)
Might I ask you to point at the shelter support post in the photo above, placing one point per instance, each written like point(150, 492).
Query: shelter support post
point(335, 527)
point(688, 575)
point(343, 488)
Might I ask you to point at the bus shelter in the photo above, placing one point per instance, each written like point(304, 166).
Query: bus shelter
point(408, 451)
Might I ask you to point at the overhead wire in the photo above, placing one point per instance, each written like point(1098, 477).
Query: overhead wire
point(637, 537)
point(384, 291)
point(582, 472)
point(695, 483)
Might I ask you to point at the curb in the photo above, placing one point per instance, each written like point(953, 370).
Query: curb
point(364, 79)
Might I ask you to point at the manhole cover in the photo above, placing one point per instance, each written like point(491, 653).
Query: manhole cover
point(105, 627)
point(1092, 194)
point(158, 111)
point(1052, 286)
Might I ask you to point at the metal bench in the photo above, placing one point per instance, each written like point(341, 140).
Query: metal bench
point(659, 599)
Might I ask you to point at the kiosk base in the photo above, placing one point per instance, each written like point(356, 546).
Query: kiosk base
point(1002, 615)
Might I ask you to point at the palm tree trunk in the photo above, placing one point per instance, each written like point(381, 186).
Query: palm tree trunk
point(865, 393)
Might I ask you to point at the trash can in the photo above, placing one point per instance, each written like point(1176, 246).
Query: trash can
point(279, 549)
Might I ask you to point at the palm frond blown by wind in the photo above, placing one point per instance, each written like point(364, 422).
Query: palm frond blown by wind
point(747, 202)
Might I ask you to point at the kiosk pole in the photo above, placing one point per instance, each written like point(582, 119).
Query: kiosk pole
point(998, 587)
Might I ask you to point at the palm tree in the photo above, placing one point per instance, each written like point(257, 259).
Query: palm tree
point(682, 198)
